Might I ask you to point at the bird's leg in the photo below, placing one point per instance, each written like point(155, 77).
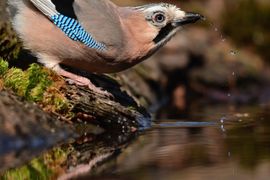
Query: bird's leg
point(79, 80)
point(52, 62)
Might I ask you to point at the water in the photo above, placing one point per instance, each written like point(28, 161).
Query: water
point(224, 144)
point(219, 142)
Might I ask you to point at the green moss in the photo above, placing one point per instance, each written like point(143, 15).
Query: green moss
point(3, 67)
point(43, 168)
point(17, 80)
point(30, 84)
point(19, 174)
point(39, 81)
point(60, 104)
point(35, 170)
point(36, 84)
point(56, 157)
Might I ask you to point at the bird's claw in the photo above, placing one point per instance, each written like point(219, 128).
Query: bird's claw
point(99, 90)
point(87, 83)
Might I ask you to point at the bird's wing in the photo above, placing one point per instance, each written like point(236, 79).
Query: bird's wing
point(101, 18)
point(46, 7)
point(69, 25)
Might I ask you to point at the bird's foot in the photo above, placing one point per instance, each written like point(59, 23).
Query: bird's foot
point(82, 81)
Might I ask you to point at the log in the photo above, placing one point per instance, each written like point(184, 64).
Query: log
point(72, 103)
point(116, 112)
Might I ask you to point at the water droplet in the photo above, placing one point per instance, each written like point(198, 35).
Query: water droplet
point(229, 95)
point(216, 29)
point(222, 120)
point(233, 73)
point(223, 128)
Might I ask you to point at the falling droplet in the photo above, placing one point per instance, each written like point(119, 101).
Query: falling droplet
point(223, 128)
point(229, 95)
point(222, 120)
point(233, 73)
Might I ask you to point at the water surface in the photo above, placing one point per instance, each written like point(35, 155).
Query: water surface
point(218, 142)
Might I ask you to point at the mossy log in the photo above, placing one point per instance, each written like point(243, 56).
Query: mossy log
point(76, 103)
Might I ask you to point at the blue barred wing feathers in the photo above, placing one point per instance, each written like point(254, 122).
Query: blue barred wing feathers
point(75, 31)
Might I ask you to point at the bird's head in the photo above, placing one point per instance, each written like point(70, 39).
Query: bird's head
point(153, 25)
point(164, 20)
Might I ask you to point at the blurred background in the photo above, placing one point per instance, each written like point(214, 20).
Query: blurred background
point(225, 58)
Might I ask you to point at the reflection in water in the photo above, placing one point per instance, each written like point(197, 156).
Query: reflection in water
point(69, 160)
point(236, 147)
point(218, 143)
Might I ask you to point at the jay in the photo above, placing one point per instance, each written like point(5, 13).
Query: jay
point(96, 36)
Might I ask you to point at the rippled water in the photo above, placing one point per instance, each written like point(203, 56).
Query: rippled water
point(221, 143)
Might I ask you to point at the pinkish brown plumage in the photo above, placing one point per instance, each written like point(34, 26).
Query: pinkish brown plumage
point(130, 34)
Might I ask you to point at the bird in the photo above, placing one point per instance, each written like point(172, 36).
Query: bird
point(96, 36)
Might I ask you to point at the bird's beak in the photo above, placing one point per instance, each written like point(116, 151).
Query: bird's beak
point(187, 18)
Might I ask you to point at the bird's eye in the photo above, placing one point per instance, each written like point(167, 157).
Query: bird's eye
point(159, 18)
